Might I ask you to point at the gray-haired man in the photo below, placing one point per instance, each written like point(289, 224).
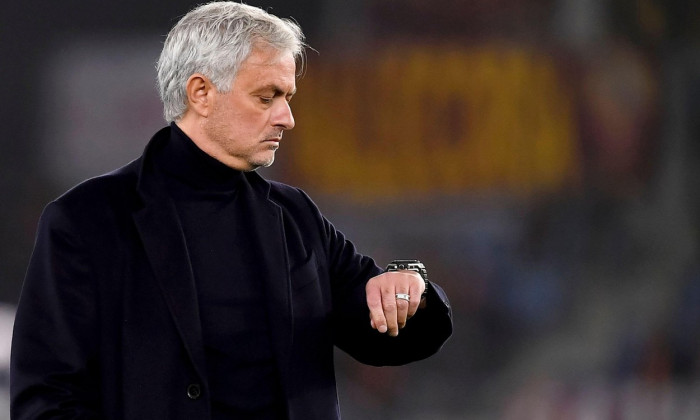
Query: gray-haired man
point(184, 285)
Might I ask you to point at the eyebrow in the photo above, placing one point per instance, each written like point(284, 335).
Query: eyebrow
point(276, 89)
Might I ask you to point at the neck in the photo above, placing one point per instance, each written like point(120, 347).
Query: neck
point(193, 127)
point(190, 125)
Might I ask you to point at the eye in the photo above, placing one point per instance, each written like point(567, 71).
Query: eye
point(265, 100)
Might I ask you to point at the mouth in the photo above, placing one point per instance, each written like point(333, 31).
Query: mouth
point(273, 141)
point(272, 144)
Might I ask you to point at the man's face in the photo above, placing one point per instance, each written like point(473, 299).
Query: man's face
point(245, 125)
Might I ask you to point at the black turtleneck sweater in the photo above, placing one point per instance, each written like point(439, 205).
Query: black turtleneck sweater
point(242, 377)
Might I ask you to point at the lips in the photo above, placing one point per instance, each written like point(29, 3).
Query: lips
point(276, 138)
point(272, 143)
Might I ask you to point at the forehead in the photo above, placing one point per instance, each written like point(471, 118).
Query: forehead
point(266, 65)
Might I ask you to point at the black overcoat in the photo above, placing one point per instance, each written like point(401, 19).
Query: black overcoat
point(108, 326)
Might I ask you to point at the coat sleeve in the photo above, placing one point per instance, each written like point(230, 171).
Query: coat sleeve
point(424, 334)
point(52, 372)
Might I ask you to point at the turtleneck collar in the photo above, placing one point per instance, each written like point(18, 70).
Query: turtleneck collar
point(182, 160)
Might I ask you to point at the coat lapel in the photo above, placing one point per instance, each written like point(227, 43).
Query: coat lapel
point(164, 241)
point(166, 250)
point(265, 218)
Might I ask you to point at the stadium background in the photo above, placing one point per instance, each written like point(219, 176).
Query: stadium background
point(540, 156)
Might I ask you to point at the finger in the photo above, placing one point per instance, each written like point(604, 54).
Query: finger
point(376, 310)
point(389, 306)
point(415, 292)
point(402, 306)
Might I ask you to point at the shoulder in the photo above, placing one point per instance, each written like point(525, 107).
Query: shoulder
point(292, 198)
point(286, 196)
point(119, 187)
point(116, 188)
point(281, 191)
point(298, 209)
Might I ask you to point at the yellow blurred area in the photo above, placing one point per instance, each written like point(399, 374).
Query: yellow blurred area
point(436, 119)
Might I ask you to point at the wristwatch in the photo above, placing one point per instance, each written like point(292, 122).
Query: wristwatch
point(413, 265)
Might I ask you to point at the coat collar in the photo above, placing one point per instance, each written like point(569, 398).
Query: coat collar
point(163, 239)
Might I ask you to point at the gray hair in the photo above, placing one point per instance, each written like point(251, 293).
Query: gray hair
point(214, 39)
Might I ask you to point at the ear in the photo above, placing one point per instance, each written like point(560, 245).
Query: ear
point(199, 94)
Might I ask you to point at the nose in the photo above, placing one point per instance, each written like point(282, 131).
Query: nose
point(283, 117)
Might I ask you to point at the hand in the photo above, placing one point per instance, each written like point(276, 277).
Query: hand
point(387, 313)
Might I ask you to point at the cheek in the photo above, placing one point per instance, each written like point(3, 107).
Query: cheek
point(254, 124)
point(241, 127)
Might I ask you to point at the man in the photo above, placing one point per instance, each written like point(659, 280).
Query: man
point(184, 285)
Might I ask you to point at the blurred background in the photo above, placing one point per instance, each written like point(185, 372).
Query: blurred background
point(541, 157)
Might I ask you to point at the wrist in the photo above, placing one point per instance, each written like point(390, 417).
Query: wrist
point(412, 265)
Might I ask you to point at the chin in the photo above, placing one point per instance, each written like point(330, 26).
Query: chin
point(262, 163)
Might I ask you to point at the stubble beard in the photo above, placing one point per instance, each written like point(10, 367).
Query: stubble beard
point(263, 164)
point(257, 162)
point(254, 157)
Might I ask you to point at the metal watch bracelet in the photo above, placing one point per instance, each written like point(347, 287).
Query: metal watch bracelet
point(413, 265)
